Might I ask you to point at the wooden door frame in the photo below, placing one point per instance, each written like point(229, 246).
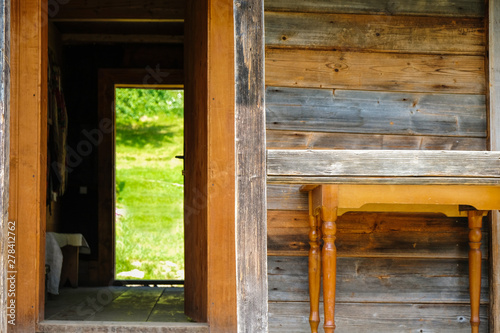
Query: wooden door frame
point(233, 283)
point(108, 81)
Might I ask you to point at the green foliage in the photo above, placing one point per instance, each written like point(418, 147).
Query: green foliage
point(132, 105)
point(149, 192)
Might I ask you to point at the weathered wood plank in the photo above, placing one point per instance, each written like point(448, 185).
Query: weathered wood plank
point(4, 152)
point(293, 317)
point(375, 71)
point(116, 10)
point(383, 180)
point(250, 149)
point(286, 197)
point(375, 280)
point(460, 8)
point(278, 139)
point(375, 163)
point(494, 144)
point(376, 235)
point(400, 34)
point(348, 111)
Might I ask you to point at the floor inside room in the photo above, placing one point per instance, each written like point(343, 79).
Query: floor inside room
point(140, 304)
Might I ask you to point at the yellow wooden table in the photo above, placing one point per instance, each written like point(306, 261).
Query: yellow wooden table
point(328, 201)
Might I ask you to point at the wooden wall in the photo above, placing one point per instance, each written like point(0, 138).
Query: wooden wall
point(375, 75)
point(4, 153)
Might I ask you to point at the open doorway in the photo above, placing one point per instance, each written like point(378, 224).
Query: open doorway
point(149, 231)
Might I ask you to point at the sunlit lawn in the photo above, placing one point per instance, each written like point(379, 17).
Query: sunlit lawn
point(149, 183)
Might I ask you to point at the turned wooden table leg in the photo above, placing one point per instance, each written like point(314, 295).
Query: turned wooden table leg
point(475, 236)
point(329, 259)
point(314, 272)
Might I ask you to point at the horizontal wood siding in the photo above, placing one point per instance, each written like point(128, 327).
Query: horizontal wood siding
point(371, 235)
point(457, 8)
point(373, 163)
point(293, 317)
point(375, 75)
point(375, 33)
point(282, 139)
point(367, 112)
point(378, 280)
point(375, 71)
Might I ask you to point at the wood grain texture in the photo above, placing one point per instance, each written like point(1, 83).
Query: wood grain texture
point(283, 139)
point(349, 111)
point(292, 317)
point(493, 97)
point(375, 71)
point(4, 151)
point(117, 10)
point(460, 8)
point(28, 157)
point(373, 163)
point(376, 280)
point(376, 33)
point(221, 281)
point(376, 235)
point(250, 138)
point(196, 161)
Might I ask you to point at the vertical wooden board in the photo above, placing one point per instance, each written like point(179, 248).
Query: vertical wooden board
point(376, 33)
point(196, 160)
point(459, 8)
point(375, 71)
point(350, 111)
point(250, 141)
point(106, 178)
point(28, 157)
point(494, 144)
point(221, 169)
point(4, 152)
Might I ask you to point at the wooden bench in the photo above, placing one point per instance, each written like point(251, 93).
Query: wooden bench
point(455, 183)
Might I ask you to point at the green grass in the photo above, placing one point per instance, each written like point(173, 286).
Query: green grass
point(149, 187)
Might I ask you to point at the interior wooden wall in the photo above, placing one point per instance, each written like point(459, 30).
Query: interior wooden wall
point(375, 75)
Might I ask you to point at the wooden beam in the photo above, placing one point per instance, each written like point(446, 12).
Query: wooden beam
point(251, 245)
point(108, 80)
point(494, 141)
point(4, 154)
point(72, 39)
point(116, 9)
point(28, 158)
point(221, 280)
point(377, 163)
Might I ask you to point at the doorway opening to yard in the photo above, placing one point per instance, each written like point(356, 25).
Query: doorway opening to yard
point(149, 182)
